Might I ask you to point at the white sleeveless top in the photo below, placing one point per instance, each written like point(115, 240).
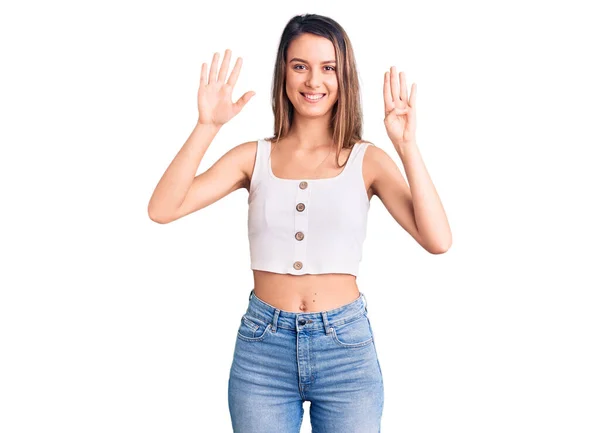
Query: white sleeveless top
point(307, 226)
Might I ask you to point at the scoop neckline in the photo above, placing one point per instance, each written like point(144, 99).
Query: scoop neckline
point(340, 174)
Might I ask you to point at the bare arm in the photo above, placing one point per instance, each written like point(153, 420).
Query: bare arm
point(227, 174)
point(178, 192)
point(175, 183)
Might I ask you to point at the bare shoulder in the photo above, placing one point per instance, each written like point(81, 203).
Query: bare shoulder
point(375, 159)
point(383, 172)
point(246, 154)
point(373, 153)
point(239, 158)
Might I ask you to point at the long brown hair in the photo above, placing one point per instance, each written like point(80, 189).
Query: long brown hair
point(346, 120)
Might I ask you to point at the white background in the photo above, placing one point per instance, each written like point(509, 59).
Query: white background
point(110, 322)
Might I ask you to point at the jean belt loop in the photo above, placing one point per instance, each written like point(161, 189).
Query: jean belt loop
point(274, 322)
point(251, 293)
point(365, 301)
point(325, 322)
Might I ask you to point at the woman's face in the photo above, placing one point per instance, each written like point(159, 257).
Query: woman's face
point(311, 69)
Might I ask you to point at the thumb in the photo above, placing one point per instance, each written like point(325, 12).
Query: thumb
point(243, 100)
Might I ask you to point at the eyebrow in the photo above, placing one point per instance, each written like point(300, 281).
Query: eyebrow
point(304, 61)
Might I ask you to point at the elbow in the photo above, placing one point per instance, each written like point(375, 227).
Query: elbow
point(440, 249)
point(159, 221)
point(156, 217)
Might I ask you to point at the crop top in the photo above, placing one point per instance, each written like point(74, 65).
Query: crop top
point(307, 226)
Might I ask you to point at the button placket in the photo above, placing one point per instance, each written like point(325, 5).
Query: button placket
point(301, 226)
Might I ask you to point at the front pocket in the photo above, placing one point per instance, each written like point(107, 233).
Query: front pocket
point(252, 329)
point(356, 333)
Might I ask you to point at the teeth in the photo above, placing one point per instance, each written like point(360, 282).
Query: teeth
point(313, 97)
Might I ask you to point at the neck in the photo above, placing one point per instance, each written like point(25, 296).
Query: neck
point(310, 133)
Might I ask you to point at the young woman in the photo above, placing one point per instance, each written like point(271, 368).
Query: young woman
point(306, 335)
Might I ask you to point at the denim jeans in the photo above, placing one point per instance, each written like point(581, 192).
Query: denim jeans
point(282, 359)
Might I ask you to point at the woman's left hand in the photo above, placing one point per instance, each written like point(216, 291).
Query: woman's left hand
point(400, 111)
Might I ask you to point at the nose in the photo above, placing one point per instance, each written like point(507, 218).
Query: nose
point(314, 81)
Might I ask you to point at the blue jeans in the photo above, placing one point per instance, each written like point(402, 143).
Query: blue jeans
point(282, 359)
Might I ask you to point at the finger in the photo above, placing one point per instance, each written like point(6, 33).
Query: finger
point(213, 68)
point(403, 94)
point(395, 89)
point(224, 65)
point(243, 101)
point(203, 75)
point(235, 73)
point(387, 94)
point(413, 95)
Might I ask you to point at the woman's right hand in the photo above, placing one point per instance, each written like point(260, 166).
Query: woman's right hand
point(214, 97)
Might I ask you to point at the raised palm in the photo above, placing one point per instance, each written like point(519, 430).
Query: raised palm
point(215, 106)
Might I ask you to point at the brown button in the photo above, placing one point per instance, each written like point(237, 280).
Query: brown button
point(300, 207)
point(299, 236)
point(297, 265)
point(303, 184)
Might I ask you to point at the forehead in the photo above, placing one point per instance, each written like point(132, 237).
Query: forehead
point(312, 48)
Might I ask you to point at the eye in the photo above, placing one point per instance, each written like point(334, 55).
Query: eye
point(332, 68)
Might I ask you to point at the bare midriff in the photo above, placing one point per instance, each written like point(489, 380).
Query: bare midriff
point(305, 293)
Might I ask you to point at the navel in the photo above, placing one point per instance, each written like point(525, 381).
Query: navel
point(303, 306)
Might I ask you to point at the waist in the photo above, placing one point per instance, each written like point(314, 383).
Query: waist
point(259, 309)
point(305, 293)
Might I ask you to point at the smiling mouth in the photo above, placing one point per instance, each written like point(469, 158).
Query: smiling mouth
point(313, 97)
